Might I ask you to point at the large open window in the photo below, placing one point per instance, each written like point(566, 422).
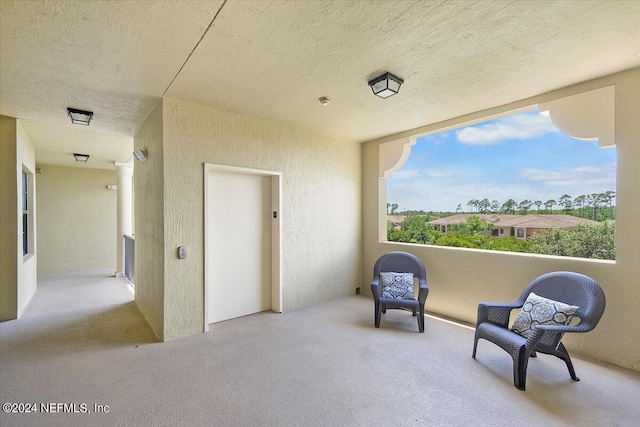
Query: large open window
point(515, 183)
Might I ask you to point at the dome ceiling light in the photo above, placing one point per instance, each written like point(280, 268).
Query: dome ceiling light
point(80, 117)
point(386, 85)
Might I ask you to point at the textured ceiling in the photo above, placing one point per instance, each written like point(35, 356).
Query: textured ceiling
point(56, 144)
point(114, 58)
point(274, 59)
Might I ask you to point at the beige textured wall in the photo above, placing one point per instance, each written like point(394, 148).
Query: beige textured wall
point(8, 222)
point(27, 266)
point(18, 273)
point(76, 219)
point(321, 199)
point(461, 278)
point(148, 188)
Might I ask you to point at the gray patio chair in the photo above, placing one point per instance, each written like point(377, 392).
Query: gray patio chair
point(399, 262)
point(566, 287)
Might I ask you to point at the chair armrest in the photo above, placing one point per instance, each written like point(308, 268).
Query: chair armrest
point(375, 288)
point(563, 328)
point(550, 335)
point(495, 312)
point(423, 291)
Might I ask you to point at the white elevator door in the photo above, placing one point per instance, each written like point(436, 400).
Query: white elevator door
point(240, 241)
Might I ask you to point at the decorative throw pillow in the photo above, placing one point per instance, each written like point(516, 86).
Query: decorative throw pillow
point(397, 285)
point(542, 311)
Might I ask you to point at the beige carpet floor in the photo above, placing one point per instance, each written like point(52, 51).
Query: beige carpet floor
point(83, 340)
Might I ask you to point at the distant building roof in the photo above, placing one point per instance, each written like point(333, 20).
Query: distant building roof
point(458, 218)
point(396, 219)
point(544, 221)
point(524, 221)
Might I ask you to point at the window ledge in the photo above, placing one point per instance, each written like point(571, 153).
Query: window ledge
point(505, 253)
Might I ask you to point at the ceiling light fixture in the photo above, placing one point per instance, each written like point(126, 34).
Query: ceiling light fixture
point(324, 100)
point(82, 158)
point(80, 117)
point(386, 85)
point(140, 155)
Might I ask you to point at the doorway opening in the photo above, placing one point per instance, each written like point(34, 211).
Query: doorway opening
point(243, 267)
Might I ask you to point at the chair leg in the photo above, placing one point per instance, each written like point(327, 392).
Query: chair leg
point(534, 354)
point(383, 307)
point(475, 343)
point(563, 354)
point(376, 314)
point(420, 318)
point(520, 362)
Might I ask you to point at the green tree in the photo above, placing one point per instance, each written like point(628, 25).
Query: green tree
point(593, 200)
point(549, 204)
point(508, 244)
point(580, 202)
point(472, 226)
point(484, 205)
point(565, 201)
point(460, 240)
point(495, 206)
point(525, 205)
point(509, 206)
point(584, 241)
point(481, 241)
point(608, 197)
point(538, 203)
point(475, 225)
point(414, 229)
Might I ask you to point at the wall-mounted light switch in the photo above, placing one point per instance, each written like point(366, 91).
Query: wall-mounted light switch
point(182, 252)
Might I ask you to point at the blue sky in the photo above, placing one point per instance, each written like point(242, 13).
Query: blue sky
point(522, 156)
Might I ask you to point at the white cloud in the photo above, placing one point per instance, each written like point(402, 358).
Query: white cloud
point(414, 174)
point(443, 192)
point(590, 178)
point(521, 126)
point(405, 174)
point(444, 195)
point(436, 138)
point(441, 173)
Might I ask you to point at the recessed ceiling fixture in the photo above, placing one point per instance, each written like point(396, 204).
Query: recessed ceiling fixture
point(82, 158)
point(386, 85)
point(140, 155)
point(324, 100)
point(80, 117)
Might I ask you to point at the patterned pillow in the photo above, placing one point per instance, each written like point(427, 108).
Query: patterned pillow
point(397, 285)
point(542, 311)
